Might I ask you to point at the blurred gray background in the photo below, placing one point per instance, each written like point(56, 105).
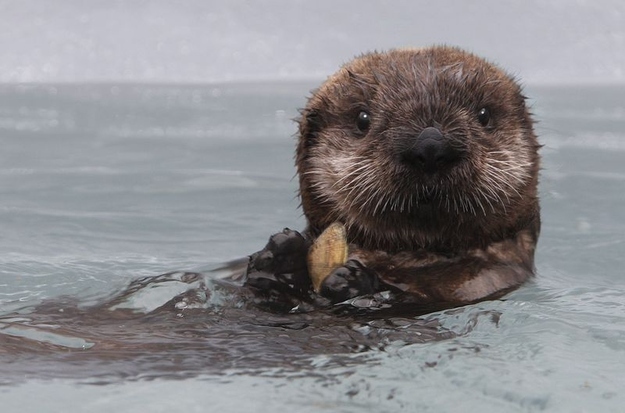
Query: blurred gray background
point(557, 41)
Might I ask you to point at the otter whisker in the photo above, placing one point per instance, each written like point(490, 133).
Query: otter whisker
point(494, 173)
point(353, 173)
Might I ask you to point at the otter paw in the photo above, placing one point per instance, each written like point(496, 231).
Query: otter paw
point(348, 281)
point(281, 265)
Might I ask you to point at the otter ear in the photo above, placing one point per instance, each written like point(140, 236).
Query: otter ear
point(309, 124)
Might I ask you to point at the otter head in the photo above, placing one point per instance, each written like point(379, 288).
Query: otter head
point(429, 148)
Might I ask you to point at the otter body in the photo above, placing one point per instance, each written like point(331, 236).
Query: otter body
point(429, 159)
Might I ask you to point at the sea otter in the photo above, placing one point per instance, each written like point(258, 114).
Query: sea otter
point(429, 161)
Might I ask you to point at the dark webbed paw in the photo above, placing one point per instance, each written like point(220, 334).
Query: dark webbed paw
point(348, 281)
point(280, 266)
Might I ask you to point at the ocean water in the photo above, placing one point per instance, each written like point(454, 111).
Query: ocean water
point(117, 201)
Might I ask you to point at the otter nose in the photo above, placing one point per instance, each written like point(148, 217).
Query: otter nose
point(430, 152)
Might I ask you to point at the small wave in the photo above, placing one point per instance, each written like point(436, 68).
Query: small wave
point(185, 323)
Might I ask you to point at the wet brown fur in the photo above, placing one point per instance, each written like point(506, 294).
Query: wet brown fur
point(463, 234)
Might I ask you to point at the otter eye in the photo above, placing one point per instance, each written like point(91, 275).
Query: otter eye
point(363, 121)
point(483, 116)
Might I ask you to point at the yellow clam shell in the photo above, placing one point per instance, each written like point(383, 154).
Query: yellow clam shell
point(328, 252)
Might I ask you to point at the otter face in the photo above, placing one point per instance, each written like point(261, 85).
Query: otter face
point(430, 148)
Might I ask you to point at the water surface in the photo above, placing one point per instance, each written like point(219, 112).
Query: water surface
point(104, 187)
